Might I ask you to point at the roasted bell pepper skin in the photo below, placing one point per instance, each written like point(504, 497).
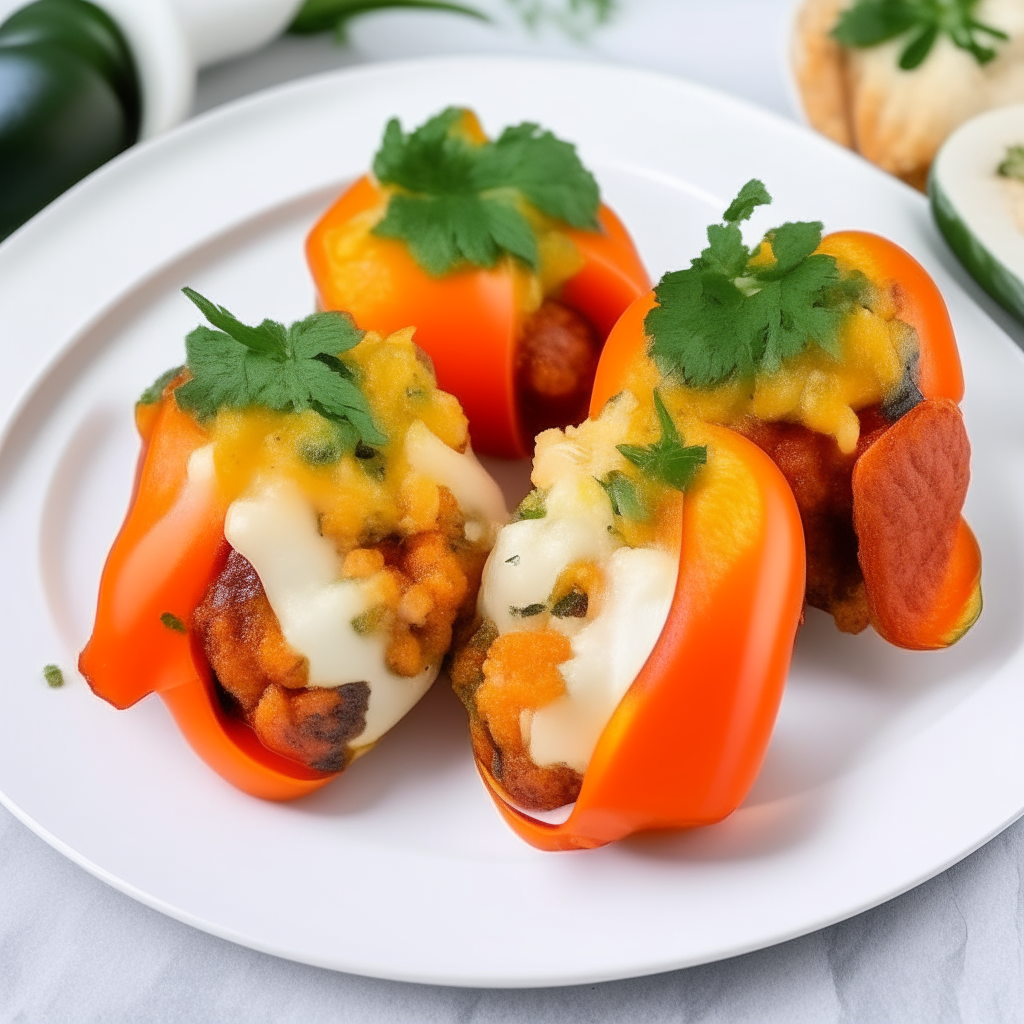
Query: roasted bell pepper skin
point(169, 550)
point(687, 741)
point(468, 321)
point(919, 303)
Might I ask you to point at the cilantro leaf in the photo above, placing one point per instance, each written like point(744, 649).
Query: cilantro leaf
point(545, 169)
point(155, 391)
point(285, 369)
point(668, 460)
point(623, 495)
point(750, 197)
point(870, 22)
point(1013, 165)
point(732, 313)
point(463, 201)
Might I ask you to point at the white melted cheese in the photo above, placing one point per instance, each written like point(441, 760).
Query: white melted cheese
point(530, 554)
point(608, 654)
point(474, 489)
point(609, 650)
point(275, 528)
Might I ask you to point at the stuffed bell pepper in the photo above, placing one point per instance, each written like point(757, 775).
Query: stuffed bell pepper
point(634, 627)
point(308, 525)
point(836, 357)
point(502, 255)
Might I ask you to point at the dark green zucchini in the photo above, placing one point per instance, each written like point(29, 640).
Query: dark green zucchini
point(69, 101)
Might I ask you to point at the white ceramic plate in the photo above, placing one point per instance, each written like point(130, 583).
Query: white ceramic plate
point(886, 765)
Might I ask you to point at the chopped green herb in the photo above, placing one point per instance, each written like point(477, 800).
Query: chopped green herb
point(870, 22)
point(369, 621)
point(319, 451)
point(171, 621)
point(514, 560)
point(461, 201)
point(1013, 165)
point(527, 611)
point(724, 316)
point(53, 676)
point(285, 369)
point(531, 507)
point(668, 460)
point(623, 495)
point(572, 606)
point(155, 391)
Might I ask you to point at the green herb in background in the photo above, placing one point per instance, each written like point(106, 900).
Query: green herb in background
point(285, 369)
point(870, 22)
point(577, 18)
point(53, 676)
point(724, 316)
point(1013, 165)
point(461, 201)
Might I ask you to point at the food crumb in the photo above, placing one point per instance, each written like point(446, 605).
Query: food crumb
point(173, 622)
point(53, 676)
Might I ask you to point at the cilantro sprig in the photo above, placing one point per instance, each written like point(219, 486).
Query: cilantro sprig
point(462, 201)
point(738, 311)
point(668, 460)
point(287, 369)
point(870, 22)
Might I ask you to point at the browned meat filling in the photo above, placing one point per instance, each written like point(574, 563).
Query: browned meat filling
point(266, 679)
point(556, 360)
point(821, 478)
point(495, 734)
point(425, 581)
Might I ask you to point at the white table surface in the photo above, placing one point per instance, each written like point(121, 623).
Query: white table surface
point(74, 950)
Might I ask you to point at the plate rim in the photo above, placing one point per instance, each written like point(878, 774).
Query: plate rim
point(51, 218)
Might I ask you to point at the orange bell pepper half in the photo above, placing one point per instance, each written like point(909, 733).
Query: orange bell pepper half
point(169, 549)
point(687, 740)
point(952, 600)
point(469, 320)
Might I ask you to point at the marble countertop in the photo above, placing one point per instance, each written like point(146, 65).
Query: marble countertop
point(72, 949)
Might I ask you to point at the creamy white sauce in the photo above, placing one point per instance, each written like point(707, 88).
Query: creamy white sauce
point(608, 654)
point(275, 529)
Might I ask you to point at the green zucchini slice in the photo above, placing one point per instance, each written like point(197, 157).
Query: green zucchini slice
point(979, 210)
